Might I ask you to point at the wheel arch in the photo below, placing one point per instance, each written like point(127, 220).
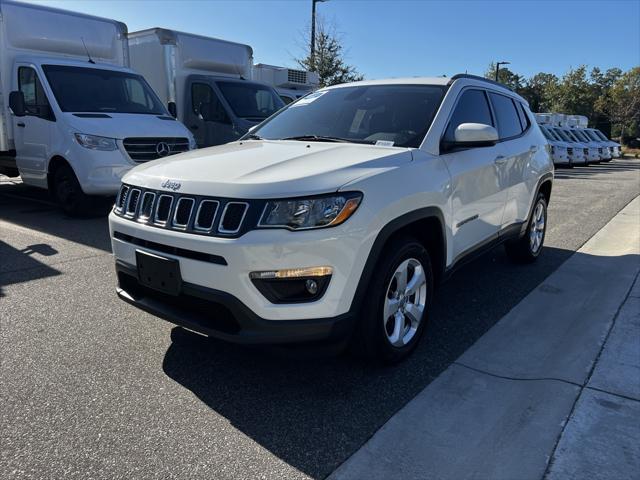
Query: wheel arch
point(425, 224)
point(54, 164)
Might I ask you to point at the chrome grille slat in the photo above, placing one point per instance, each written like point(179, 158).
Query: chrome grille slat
point(207, 225)
point(132, 202)
point(122, 197)
point(144, 148)
point(235, 224)
point(182, 223)
point(159, 217)
point(146, 207)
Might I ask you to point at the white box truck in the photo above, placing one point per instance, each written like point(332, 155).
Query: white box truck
point(73, 117)
point(291, 84)
point(205, 82)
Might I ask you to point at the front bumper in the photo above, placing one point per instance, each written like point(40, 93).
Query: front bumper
point(221, 315)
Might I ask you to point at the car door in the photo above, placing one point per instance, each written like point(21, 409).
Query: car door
point(32, 132)
point(516, 149)
point(477, 196)
point(206, 116)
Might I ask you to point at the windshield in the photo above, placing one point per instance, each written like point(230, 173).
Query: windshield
point(80, 89)
point(251, 101)
point(581, 137)
point(398, 115)
point(600, 135)
point(565, 136)
point(592, 135)
point(547, 134)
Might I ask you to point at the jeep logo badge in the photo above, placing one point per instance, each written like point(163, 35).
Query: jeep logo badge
point(171, 185)
point(162, 149)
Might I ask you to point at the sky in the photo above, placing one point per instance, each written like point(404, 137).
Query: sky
point(396, 38)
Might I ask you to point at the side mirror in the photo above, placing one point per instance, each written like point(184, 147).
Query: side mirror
point(475, 135)
point(171, 106)
point(16, 104)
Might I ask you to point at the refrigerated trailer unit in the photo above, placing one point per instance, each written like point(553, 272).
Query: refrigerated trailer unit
point(291, 84)
point(205, 82)
point(73, 117)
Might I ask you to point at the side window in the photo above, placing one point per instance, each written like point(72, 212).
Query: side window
point(205, 102)
point(472, 107)
point(506, 116)
point(35, 100)
point(524, 118)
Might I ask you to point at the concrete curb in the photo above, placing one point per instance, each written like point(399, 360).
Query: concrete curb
point(501, 409)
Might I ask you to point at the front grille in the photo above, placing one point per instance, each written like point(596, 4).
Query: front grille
point(600, 151)
point(570, 150)
point(190, 213)
point(585, 151)
point(297, 76)
point(143, 149)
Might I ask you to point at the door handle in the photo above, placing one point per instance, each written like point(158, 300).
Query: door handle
point(193, 127)
point(20, 124)
point(500, 160)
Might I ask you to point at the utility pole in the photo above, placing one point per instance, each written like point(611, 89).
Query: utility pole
point(313, 33)
point(498, 68)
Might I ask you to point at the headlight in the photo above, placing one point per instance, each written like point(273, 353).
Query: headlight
point(94, 142)
point(307, 213)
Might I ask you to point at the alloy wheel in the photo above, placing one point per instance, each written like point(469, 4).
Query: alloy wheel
point(405, 302)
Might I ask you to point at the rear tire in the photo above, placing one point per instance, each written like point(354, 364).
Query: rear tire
point(527, 248)
point(69, 194)
point(399, 298)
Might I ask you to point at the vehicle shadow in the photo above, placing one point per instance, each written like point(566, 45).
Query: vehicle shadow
point(32, 208)
point(614, 166)
point(314, 412)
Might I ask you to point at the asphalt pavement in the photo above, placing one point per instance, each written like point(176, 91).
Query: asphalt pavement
point(92, 387)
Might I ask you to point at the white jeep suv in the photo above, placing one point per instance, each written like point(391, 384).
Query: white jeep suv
point(335, 218)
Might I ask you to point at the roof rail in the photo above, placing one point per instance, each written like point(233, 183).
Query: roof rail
point(476, 77)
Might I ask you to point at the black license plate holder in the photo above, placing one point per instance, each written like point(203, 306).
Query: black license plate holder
point(159, 273)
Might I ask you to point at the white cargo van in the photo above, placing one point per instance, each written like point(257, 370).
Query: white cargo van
point(205, 82)
point(73, 117)
point(291, 84)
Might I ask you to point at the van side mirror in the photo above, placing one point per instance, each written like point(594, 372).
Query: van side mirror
point(171, 106)
point(209, 113)
point(472, 135)
point(16, 103)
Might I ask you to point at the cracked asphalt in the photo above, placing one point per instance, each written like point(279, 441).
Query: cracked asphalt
point(90, 387)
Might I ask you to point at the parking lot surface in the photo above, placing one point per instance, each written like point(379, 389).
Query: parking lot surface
point(91, 387)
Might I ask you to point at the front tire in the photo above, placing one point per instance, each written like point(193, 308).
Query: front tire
point(527, 248)
point(69, 194)
point(399, 299)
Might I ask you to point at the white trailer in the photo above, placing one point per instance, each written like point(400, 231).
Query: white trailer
point(205, 82)
point(290, 84)
point(73, 116)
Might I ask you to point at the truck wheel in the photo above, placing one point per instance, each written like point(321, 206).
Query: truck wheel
point(398, 302)
point(69, 194)
point(528, 248)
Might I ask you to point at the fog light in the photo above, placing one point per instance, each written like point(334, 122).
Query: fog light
point(312, 286)
point(294, 285)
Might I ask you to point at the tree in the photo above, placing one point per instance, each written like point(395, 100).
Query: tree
point(505, 76)
point(329, 59)
point(539, 91)
point(623, 104)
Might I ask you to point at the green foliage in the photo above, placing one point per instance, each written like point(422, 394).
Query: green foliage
point(610, 99)
point(329, 59)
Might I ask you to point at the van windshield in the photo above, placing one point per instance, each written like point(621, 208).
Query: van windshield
point(81, 89)
point(251, 101)
point(397, 115)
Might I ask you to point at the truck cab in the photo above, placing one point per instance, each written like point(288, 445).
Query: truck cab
point(205, 82)
point(75, 118)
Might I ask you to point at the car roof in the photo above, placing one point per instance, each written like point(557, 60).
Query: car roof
point(442, 81)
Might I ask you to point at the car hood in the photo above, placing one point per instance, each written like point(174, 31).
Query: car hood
point(123, 125)
point(268, 168)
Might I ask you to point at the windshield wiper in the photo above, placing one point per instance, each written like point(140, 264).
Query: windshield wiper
point(317, 138)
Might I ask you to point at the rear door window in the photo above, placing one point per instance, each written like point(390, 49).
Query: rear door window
point(472, 107)
point(507, 116)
